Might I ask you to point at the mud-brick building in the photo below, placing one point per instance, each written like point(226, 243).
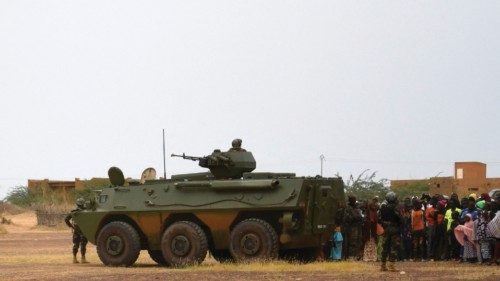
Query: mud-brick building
point(64, 189)
point(469, 177)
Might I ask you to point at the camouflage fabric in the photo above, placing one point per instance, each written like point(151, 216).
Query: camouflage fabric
point(380, 246)
point(391, 220)
point(391, 243)
point(79, 241)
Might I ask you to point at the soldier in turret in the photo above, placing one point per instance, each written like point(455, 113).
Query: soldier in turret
point(236, 145)
point(79, 241)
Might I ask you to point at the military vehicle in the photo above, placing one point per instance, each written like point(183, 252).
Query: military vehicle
point(232, 212)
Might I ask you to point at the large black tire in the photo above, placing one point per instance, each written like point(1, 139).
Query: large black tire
point(118, 244)
point(222, 256)
point(184, 243)
point(253, 239)
point(157, 256)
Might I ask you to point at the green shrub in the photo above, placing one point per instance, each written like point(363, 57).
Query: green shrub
point(365, 186)
point(413, 189)
point(20, 196)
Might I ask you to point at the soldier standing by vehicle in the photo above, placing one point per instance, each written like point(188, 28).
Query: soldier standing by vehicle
point(391, 221)
point(79, 241)
point(353, 223)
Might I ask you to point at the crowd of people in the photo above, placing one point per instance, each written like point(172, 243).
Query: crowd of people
point(429, 228)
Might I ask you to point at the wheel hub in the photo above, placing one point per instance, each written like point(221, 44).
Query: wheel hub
point(180, 245)
point(250, 244)
point(114, 245)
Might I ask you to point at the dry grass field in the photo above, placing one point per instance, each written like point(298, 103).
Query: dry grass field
point(31, 253)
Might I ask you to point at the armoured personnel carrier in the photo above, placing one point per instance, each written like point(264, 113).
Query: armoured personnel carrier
point(230, 211)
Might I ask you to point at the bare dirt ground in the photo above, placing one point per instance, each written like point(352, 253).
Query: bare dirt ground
point(32, 253)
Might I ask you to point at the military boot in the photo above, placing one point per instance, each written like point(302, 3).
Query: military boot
point(383, 266)
point(84, 260)
point(392, 266)
point(75, 260)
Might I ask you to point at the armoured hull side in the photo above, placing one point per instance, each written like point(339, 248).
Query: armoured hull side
point(297, 207)
point(88, 222)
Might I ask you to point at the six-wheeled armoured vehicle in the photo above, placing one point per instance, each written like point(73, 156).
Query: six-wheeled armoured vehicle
point(231, 212)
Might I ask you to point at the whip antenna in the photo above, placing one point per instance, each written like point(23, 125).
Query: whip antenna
point(164, 168)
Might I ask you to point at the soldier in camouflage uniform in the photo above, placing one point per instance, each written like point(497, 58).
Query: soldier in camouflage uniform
point(79, 241)
point(390, 218)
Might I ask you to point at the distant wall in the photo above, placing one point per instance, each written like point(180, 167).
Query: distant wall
point(64, 190)
point(405, 183)
point(469, 177)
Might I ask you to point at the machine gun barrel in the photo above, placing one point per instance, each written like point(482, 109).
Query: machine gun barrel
point(184, 156)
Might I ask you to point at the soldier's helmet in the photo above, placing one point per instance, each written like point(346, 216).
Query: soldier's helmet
point(80, 202)
point(391, 197)
point(236, 143)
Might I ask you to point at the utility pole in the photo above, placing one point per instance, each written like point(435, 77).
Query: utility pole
point(164, 165)
point(321, 159)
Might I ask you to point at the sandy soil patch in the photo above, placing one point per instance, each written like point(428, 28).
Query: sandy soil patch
point(28, 253)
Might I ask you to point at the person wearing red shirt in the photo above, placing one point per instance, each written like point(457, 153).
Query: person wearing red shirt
point(430, 227)
point(418, 230)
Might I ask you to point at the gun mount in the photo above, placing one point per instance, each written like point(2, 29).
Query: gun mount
point(225, 165)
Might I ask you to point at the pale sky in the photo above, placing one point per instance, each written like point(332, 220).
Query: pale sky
point(404, 88)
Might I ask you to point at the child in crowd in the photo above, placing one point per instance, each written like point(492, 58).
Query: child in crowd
point(336, 239)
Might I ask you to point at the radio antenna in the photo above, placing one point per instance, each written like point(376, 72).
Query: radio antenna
point(164, 167)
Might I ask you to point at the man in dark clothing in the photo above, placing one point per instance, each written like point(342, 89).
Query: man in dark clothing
point(79, 241)
point(353, 224)
point(390, 218)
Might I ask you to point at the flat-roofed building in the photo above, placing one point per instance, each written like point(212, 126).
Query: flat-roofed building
point(469, 177)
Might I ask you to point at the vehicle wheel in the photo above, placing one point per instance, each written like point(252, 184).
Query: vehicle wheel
point(184, 243)
point(118, 244)
point(157, 256)
point(222, 256)
point(253, 239)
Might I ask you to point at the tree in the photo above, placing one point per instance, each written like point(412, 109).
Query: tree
point(365, 186)
point(20, 196)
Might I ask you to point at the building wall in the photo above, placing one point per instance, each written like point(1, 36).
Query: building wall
point(92, 183)
point(404, 183)
point(51, 187)
point(493, 183)
point(442, 185)
point(471, 171)
point(63, 188)
point(470, 177)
